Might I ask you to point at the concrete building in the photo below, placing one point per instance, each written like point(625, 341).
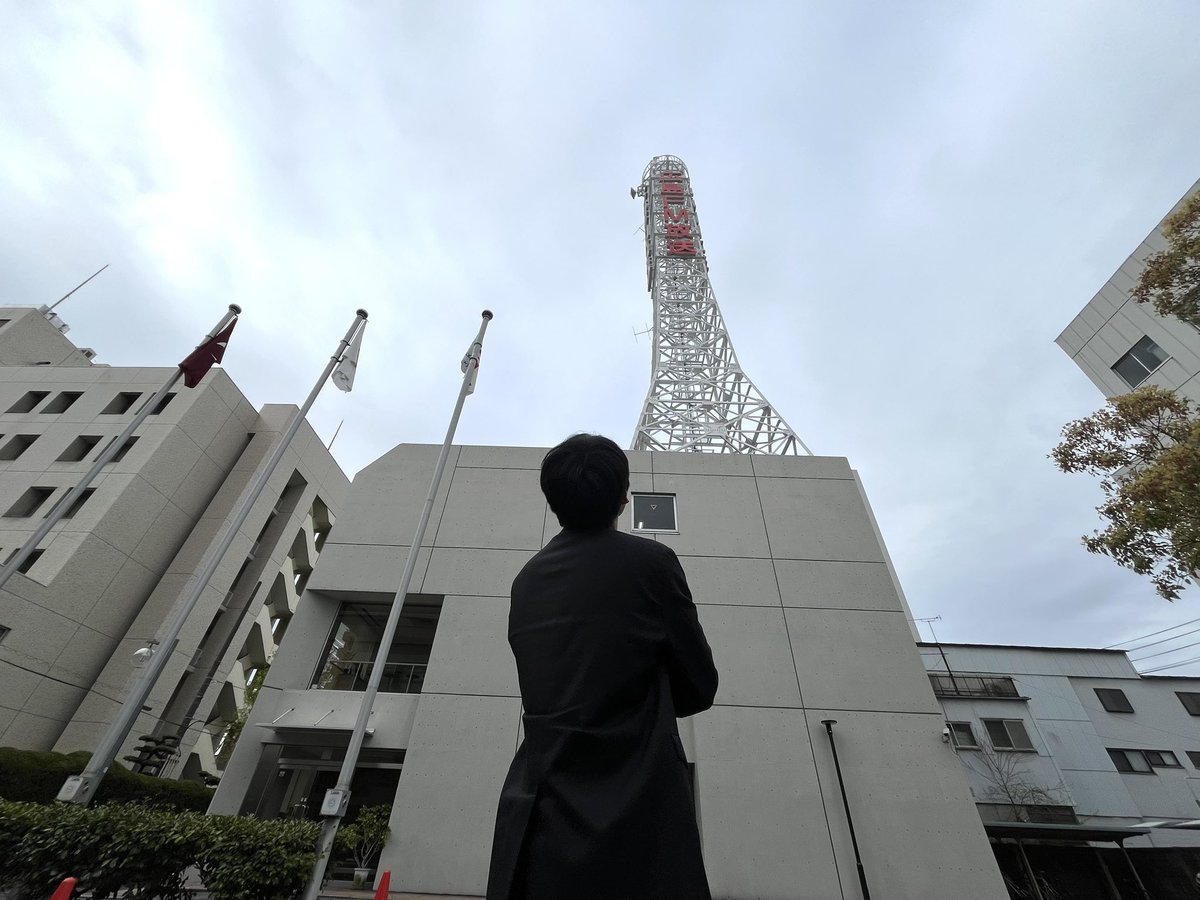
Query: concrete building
point(1072, 749)
point(800, 604)
point(1120, 344)
point(107, 576)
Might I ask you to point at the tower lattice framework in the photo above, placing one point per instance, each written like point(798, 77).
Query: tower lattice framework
point(699, 400)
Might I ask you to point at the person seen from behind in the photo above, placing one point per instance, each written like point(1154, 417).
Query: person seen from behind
point(597, 803)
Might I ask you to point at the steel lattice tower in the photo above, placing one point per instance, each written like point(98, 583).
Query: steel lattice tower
point(699, 400)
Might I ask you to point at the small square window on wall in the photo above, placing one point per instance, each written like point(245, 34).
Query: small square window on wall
point(29, 503)
point(1008, 734)
point(17, 445)
point(28, 401)
point(1114, 700)
point(654, 512)
point(962, 735)
point(1143, 358)
point(1190, 701)
point(62, 402)
point(120, 403)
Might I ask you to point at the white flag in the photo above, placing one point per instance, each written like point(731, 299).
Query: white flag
point(475, 351)
point(343, 375)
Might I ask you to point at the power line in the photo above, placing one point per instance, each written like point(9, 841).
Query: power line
point(1172, 665)
point(1165, 652)
point(92, 690)
point(1161, 641)
point(1151, 634)
point(81, 687)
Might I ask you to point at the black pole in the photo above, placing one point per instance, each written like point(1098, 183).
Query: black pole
point(862, 875)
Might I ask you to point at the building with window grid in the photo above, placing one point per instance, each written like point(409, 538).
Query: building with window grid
point(1120, 344)
point(805, 617)
point(1063, 747)
point(107, 576)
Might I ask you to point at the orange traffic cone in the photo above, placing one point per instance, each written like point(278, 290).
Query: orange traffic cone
point(66, 890)
point(385, 884)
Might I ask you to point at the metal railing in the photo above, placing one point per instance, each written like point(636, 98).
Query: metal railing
point(946, 685)
point(352, 675)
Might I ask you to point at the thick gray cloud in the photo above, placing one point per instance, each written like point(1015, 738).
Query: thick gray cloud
point(903, 206)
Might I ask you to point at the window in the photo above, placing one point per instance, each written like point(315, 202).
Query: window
point(24, 567)
point(62, 402)
point(1114, 700)
point(1008, 734)
point(28, 402)
point(973, 686)
point(120, 455)
point(83, 498)
point(654, 512)
point(1162, 759)
point(29, 503)
point(1143, 358)
point(355, 641)
point(162, 404)
point(1194, 756)
point(962, 735)
point(4, 632)
point(16, 446)
point(120, 403)
point(80, 448)
point(1190, 701)
point(1131, 761)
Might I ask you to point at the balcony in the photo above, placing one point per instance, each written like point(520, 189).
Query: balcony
point(975, 686)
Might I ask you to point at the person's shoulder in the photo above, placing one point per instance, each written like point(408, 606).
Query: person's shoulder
point(644, 547)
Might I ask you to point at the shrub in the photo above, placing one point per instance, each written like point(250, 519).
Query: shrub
point(35, 776)
point(249, 859)
point(146, 851)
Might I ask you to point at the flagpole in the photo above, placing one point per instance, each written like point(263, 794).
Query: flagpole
point(337, 798)
point(80, 789)
point(59, 510)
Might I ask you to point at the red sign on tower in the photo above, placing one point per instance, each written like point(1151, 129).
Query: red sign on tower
point(676, 219)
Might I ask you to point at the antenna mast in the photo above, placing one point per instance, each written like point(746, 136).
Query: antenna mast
point(77, 287)
point(699, 400)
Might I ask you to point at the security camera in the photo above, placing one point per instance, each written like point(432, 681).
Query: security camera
point(946, 735)
point(142, 656)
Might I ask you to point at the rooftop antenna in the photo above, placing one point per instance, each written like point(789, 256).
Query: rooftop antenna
point(77, 287)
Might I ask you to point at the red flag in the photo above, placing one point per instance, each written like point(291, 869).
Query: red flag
point(201, 359)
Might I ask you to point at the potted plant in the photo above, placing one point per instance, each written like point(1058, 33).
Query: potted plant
point(365, 838)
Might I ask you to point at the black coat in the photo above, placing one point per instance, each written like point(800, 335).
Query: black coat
point(597, 804)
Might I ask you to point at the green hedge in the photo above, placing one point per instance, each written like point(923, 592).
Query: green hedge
point(35, 776)
point(146, 851)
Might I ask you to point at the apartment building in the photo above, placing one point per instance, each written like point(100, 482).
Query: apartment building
point(1120, 344)
point(102, 583)
point(1080, 768)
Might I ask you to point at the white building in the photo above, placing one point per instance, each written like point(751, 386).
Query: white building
point(805, 618)
point(1120, 344)
point(1073, 745)
point(104, 580)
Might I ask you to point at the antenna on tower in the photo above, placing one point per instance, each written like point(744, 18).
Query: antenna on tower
point(700, 400)
point(50, 309)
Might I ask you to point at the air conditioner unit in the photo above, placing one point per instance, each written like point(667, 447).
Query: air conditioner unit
point(88, 352)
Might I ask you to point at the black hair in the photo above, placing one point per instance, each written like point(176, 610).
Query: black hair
point(585, 479)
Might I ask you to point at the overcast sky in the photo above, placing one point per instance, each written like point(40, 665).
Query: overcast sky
point(903, 205)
